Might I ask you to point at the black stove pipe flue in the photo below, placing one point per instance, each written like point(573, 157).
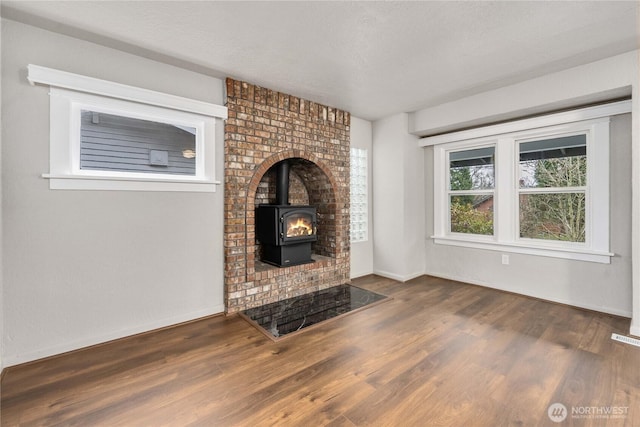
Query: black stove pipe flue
point(282, 183)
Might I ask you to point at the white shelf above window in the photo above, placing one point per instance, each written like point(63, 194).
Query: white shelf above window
point(79, 83)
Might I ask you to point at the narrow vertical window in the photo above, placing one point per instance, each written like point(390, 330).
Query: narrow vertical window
point(359, 207)
point(471, 191)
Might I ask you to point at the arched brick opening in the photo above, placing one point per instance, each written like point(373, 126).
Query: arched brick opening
point(319, 190)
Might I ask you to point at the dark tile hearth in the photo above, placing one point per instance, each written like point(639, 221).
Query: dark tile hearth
point(285, 317)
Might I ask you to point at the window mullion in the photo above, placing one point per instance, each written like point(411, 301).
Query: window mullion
point(505, 214)
point(471, 192)
point(552, 190)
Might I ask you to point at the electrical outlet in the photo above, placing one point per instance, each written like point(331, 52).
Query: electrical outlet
point(505, 259)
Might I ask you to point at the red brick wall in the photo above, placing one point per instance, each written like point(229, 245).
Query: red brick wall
point(263, 128)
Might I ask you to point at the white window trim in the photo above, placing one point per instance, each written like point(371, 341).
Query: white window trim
point(595, 123)
point(71, 93)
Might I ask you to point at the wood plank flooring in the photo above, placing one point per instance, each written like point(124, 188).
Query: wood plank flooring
point(441, 353)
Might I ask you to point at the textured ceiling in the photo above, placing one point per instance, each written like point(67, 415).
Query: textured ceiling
point(371, 58)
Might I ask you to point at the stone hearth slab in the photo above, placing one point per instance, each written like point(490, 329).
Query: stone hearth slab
point(284, 318)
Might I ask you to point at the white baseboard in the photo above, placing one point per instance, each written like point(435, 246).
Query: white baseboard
point(16, 359)
point(397, 277)
point(360, 274)
point(608, 310)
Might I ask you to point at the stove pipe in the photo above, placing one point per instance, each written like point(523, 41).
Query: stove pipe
point(282, 183)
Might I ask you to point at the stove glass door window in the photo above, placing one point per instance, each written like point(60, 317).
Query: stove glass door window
point(299, 225)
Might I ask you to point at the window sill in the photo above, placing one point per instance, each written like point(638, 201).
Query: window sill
point(80, 182)
point(576, 254)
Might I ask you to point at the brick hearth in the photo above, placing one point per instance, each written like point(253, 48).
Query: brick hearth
point(263, 128)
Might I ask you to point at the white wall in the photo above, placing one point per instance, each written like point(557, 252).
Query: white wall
point(635, 178)
point(414, 233)
point(398, 200)
point(1, 222)
point(82, 267)
point(362, 252)
point(610, 288)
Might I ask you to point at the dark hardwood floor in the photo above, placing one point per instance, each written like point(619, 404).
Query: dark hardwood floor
point(441, 353)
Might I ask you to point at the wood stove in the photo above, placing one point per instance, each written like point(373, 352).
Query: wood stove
point(284, 231)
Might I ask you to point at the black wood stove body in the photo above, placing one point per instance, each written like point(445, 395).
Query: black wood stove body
point(285, 232)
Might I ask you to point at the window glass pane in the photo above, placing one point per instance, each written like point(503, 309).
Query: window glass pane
point(559, 216)
point(124, 144)
point(556, 162)
point(472, 169)
point(472, 214)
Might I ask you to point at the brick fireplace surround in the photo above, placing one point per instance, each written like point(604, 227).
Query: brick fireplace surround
point(263, 128)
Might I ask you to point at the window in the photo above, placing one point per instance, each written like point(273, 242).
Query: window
point(538, 186)
point(110, 142)
point(471, 187)
point(552, 188)
point(359, 208)
point(107, 136)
